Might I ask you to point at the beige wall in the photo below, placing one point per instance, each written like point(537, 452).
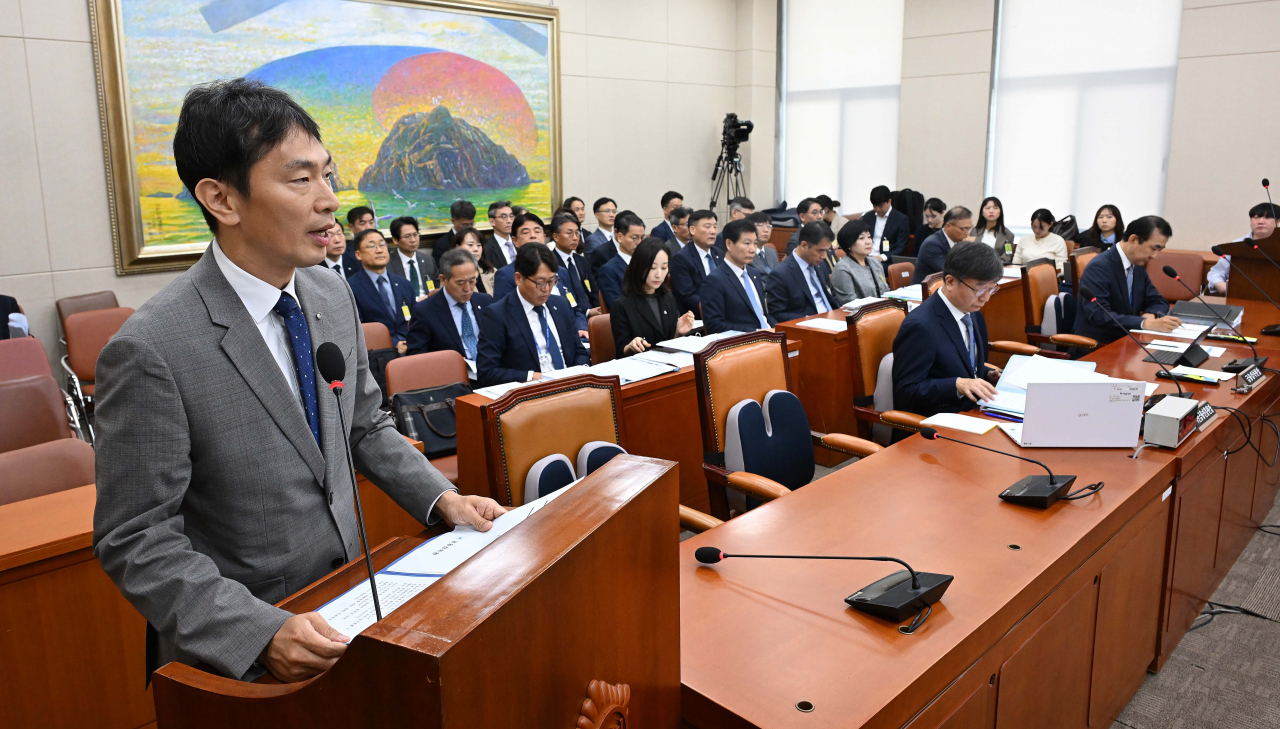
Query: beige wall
point(1226, 135)
point(646, 85)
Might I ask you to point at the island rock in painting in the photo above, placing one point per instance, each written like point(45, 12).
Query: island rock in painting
point(435, 151)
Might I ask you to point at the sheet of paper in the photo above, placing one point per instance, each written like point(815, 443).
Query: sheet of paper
point(955, 421)
point(1211, 374)
point(471, 365)
point(1214, 351)
point(568, 372)
point(1044, 369)
point(494, 392)
point(914, 292)
point(835, 326)
point(352, 612)
point(1014, 431)
point(852, 306)
point(630, 369)
point(1007, 402)
point(1013, 272)
point(698, 324)
point(1151, 388)
point(674, 359)
point(693, 345)
point(1186, 331)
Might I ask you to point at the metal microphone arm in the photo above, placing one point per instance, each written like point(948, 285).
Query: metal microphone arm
point(336, 387)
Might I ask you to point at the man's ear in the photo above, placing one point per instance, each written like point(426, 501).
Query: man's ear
point(217, 198)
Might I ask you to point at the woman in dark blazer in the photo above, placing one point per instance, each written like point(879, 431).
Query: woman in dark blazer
point(647, 312)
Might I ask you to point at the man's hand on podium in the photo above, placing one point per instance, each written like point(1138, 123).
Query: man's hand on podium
point(303, 647)
point(478, 511)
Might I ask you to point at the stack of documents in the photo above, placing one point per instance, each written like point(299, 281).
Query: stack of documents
point(632, 369)
point(1022, 371)
point(955, 421)
point(1208, 374)
point(1186, 331)
point(857, 304)
point(678, 360)
point(835, 326)
point(914, 292)
point(493, 392)
point(693, 345)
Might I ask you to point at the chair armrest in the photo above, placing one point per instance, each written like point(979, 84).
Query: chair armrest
point(765, 489)
point(696, 521)
point(903, 420)
point(849, 444)
point(1074, 340)
point(1007, 347)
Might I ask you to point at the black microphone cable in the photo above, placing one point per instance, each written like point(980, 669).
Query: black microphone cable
point(1213, 609)
point(1247, 428)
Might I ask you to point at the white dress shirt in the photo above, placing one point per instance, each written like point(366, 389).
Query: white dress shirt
point(959, 315)
point(259, 299)
point(880, 223)
point(625, 256)
point(404, 266)
point(536, 325)
point(817, 296)
point(507, 247)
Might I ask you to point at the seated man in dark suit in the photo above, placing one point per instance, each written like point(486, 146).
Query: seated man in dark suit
point(799, 286)
point(408, 261)
point(733, 296)
point(1119, 281)
point(462, 214)
point(334, 259)
point(360, 218)
point(529, 332)
point(931, 254)
point(670, 201)
point(577, 280)
point(527, 228)
point(679, 221)
point(739, 208)
point(608, 249)
point(940, 353)
point(499, 248)
point(693, 263)
point(810, 211)
point(381, 296)
point(890, 229)
point(449, 318)
point(605, 210)
point(628, 231)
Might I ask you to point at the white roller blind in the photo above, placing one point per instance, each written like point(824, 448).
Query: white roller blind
point(843, 71)
point(1083, 106)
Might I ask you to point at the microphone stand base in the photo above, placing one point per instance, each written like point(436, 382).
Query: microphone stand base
point(1038, 492)
point(1239, 365)
point(1271, 330)
point(892, 598)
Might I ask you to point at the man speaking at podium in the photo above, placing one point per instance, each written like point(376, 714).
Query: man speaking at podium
point(222, 481)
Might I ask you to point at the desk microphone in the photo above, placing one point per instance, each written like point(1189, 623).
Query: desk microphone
point(1039, 492)
point(1270, 329)
point(895, 597)
point(1235, 365)
point(333, 368)
point(1088, 295)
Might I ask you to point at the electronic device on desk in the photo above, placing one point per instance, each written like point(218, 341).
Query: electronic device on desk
point(1170, 421)
point(1248, 379)
point(1193, 356)
point(1162, 375)
point(1206, 314)
point(1229, 315)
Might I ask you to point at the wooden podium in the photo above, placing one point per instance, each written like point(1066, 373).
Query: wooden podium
point(571, 619)
point(1255, 265)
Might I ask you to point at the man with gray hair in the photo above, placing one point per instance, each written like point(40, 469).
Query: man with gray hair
point(679, 222)
point(739, 208)
point(450, 318)
point(956, 225)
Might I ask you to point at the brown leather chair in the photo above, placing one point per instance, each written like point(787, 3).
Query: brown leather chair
point(23, 357)
point(602, 345)
point(1190, 268)
point(85, 302)
point(931, 284)
point(87, 332)
point(1078, 259)
point(900, 274)
point(1039, 283)
point(376, 336)
point(745, 367)
point(44, 469)
point(32, 411)
point(778, 239)
point(432, 369)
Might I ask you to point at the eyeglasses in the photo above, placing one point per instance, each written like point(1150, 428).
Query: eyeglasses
point(374, 246)
point(984, 291)
point(504, 216)
point(543, 284)
point(607, 211)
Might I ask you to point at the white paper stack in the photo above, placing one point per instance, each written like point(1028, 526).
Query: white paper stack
point(493, 392)
point(955, 421)
point(856, 304)
point(914, 292)
point(835, 326)
point(674, 359)
point(630, 369)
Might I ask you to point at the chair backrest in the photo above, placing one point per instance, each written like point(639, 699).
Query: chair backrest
point(900, 274)
point(1039, 282)
point(44, 469)
point(931, 284)
point(87, 333)
point(1190, 268)
point(871, 332)
point(32, 411)
point(778, 239)
point(23, 357)
point(85, 302)
point(602, 344)
point(431, 369)
point(532, 422)
point(376, 336)
point(1080, 258)
point(731, 370)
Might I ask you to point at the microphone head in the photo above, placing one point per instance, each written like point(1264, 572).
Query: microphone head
point(1168, 271)
point(1217, 250)
point(1266, 182)
point(1086, 293)
point(708, 555)
point(929, 433)
point(329, 360)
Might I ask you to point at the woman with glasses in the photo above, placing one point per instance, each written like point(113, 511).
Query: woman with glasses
point(859, 274)
point(1041, 243)
point(646, 313)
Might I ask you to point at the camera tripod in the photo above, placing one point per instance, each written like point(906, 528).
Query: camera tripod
point(728, 175)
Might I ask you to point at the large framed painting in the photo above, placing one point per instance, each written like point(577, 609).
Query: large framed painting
point(421, 103)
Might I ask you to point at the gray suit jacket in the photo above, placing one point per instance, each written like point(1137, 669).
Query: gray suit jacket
point(426, 266)
point(214, 500)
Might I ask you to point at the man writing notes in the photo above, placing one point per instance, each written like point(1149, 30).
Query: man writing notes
point(798, 287)
point(222, 482)
point(940, 352)
point(1118, 278)
point(733, 296)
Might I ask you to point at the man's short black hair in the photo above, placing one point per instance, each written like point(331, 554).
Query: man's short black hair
point(935, 205)
point(880, 194)
point(1146, 226)
point(625, 221)
point(495, 206)
point(807, 203)
point(759, 218)
point(816, 232)
point(530, 258)
point(595, 206)
point(355, 243)
point(670, 195)
point(1262, 210)
point(560, 220)
point(973, 261)
point(569, 201)
point(678, 213)
point(700, 215)
point(358, 212)
point(734, 231)
point(523, 218)
point(462, 210)
point(225, 127)
point(398, 224)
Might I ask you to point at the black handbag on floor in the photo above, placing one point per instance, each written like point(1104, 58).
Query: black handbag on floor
point(427, 415)
point(378, 359)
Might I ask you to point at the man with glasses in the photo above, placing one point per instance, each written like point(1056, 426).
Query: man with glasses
point(766, 257)
point(678, 219)
point(529, 332)
point(409, 262)
point(451, 318)
point(381, 296)
point(932, 254)
point(940, 353)
point(799, 287)
point(605, 210)
point(499, 248)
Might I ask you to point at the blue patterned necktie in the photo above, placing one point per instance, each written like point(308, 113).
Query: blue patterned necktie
point(973, 342)
point(1128, 280)
point(755, 302)
point(819, 296)
point(384, 290)
point(468, 333)
point(300, 342)
point(557, 359)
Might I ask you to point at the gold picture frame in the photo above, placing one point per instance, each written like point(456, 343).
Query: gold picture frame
point(135, 253)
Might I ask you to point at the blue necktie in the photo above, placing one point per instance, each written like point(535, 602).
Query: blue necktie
point(755, 302)
point(819, 297)
point(468, 333)
point(556, 359)
point(1128, 279)
point(300, 342)
point(973, 343)
point(384, 290)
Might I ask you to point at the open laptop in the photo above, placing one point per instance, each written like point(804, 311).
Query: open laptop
point(1080, 415)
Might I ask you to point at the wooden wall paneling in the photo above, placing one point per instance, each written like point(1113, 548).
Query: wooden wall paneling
point(1193, 548)
point(1236, 526)
point(1267, 481)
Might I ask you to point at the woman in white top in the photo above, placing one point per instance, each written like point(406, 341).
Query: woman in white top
point(990, 229)
point(1041, 243)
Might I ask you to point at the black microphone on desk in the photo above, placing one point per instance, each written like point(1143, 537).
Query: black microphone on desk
point(1270, 329)
point(333, 367)
point(1087, 294)
point(1235, 365)
point(1039, 492)
point(895, 597)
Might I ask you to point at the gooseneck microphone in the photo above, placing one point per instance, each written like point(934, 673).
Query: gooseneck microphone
point(1270, 329)
point(895, 597)
point(1266, 185)
point(1235, 365)
point(333, 367)
point(1087, 294)
point(1039, 492)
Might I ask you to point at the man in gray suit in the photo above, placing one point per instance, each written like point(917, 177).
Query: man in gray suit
point(221, 474)
point(408, 260)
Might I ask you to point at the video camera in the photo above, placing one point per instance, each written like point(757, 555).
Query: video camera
point(735, 131)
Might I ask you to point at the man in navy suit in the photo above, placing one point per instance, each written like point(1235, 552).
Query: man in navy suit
point(932, 254)
point(691, 266)
point(527, 228)
point(1119, 281)
point(890, 229)
point(809, 210)
point(529, 332)
point(577, 280)
point(334, 259)
point(733, 296)
point(940, 353)
point(450, 318)
point(799, 286)
point(462, 215)
point(670, 201)
point(628, 231)
point(605, 210)
point(381, 296)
